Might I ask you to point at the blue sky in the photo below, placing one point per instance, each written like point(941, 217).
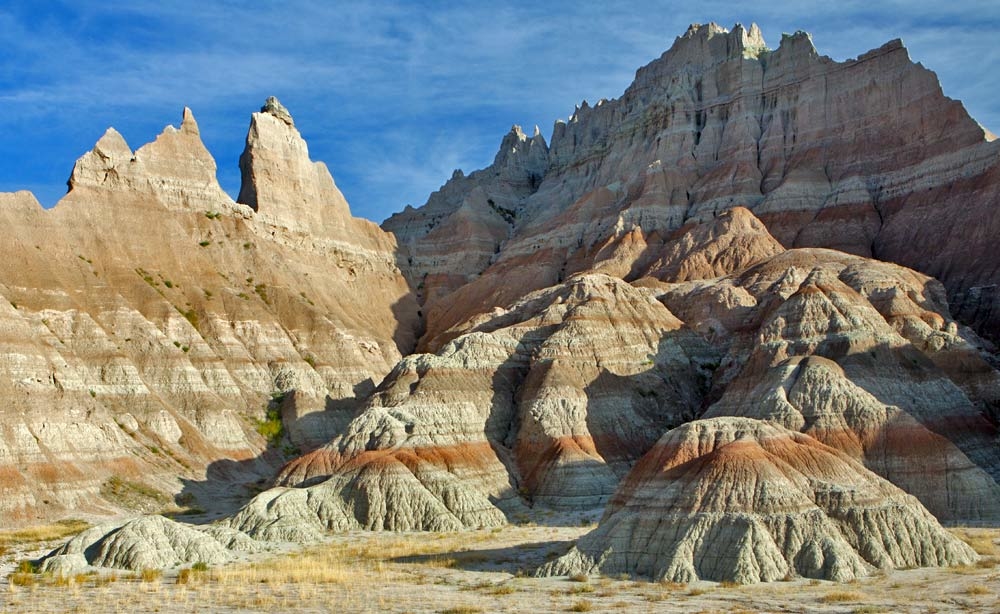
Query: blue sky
point(394, 95)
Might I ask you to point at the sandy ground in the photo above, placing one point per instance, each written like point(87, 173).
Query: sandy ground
point(481, 571)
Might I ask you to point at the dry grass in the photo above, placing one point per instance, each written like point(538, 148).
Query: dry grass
point(41, 533)
point(395, 572)
point(980, 540)
point(841, 597)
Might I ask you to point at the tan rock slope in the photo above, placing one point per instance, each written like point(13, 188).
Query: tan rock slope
point(147, 319)
point(865, 156)
point(741, 500)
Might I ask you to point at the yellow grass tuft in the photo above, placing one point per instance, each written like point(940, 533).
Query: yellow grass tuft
point(41, 533)
point(841, 597)
point(980, 540)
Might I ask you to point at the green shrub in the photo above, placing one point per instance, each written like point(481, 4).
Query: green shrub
point(271, 427)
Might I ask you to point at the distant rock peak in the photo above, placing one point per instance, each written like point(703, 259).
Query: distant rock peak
point(273, 106)
point(176, 169)
point(188, 123)
point(279, 180)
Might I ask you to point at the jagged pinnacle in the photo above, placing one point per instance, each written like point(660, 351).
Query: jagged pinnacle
point(273, 106)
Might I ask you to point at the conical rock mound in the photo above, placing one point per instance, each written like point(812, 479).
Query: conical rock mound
point(741, 500)
point(813, 395)
point(148, 542)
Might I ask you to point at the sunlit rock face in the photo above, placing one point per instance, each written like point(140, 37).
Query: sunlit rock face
point(866, 156)
point(147, 320)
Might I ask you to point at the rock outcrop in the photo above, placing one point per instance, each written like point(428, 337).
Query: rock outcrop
point(864, 356)
point(866, 156)
point(551, 401)
point(742, 500)
point(148, 542)
point(147, 320)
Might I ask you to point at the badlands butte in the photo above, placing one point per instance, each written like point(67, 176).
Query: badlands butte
point(749, 310)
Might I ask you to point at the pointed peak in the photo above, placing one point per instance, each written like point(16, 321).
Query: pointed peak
point(274, 107)
point(112, 145)
point(537, 132)
point(188, 123)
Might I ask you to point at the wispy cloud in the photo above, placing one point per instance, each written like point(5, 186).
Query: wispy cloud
point(393, 95)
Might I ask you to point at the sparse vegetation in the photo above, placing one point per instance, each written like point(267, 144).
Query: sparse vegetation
point(129, 493)
point(977, 589)
point(978, 539)
point(213, 215)
point(204, 243)
point(582, 606)
point(841, 597)
point(190, 315)
point(261, 291)
point(271, 427)
point(146, 277)
point(150, 575)
point(41, 533)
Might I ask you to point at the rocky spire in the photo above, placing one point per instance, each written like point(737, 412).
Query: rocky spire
point(522, 161)
point(273, 106)
point(176, 169)
point(279, 180)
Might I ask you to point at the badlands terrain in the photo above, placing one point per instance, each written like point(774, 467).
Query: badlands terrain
point(727, 342)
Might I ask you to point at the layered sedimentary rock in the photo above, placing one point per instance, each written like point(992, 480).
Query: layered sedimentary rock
point(864, 356)
point(551, 401)
point(147, 319)
point(865, 156)
point(742, 500)
point(148, 542)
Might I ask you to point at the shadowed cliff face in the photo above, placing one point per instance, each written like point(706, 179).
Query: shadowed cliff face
point(147, 319)
point(865, 156)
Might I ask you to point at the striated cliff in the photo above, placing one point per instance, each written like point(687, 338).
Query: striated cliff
point(865, 156)
point(147, 320)
point(746, 307)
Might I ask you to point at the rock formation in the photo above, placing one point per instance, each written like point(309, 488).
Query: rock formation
point(741, 500)
point(149, 542)
point(704, 257)
point(864, 356)
point(551, 401)
point(865, 156)
point(147, 320)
